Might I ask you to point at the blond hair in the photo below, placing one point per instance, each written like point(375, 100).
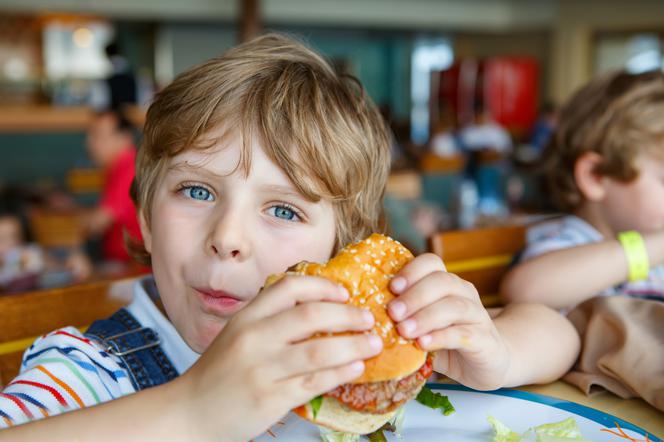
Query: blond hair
point(318, 126)
point(617, 115)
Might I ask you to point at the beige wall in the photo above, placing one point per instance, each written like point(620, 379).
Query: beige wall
point(575, 24)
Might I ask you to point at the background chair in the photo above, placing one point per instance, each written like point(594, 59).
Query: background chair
point(441, 177)
point(56, 229)
point(26, 316)
point(481, 256)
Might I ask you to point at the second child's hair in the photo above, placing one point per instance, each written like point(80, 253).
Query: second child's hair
point(318, 126)
point(617, 115)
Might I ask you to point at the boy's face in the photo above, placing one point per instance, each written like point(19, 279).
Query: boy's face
point(215, 235)
point(639, 204)
point(10, 234)
point(104, 140)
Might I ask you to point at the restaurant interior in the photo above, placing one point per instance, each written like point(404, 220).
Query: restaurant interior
point(471, 92)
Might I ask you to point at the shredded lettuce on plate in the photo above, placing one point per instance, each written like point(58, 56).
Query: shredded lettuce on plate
point(501, 433)
point(563, 431)
point(328, 435)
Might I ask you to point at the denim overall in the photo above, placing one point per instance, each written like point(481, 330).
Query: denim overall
point(138, 347)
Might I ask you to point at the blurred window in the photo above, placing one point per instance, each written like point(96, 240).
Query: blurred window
point(634, 52)
point(76, 50)
point(429, 54)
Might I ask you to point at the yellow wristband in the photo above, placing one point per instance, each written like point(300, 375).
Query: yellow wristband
point(636, 253)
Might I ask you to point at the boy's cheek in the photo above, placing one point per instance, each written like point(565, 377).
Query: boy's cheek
point(146, 234)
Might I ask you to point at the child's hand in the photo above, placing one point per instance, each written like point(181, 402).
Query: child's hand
point(444, 313)
point(260, 367)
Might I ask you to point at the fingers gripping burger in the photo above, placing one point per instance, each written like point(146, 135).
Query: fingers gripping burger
point(394, 376)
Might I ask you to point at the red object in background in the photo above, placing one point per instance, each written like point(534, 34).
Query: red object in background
point(458, 89)
point(507, 86)
point(116, 199)
point(510, 91)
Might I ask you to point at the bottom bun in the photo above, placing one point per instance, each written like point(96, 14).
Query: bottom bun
point(336, 416)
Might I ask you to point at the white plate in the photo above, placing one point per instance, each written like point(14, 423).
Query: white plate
point(518, 410)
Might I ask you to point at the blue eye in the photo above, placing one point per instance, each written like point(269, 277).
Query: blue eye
point(198, 193)
point(284, 212)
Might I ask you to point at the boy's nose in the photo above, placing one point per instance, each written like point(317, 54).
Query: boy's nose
point(229, 238)
point(232, 254)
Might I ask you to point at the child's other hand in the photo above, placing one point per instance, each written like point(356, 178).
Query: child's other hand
point(261, 365)
point(444, 313)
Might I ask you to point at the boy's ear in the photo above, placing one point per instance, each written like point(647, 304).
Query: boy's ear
point(590, 183)
point(145, 231)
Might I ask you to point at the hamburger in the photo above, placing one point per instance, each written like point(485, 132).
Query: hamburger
point(394, 376)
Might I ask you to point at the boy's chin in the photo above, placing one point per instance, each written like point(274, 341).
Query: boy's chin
point(203, 337)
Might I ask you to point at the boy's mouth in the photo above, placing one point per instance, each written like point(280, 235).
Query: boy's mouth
point(219, 302)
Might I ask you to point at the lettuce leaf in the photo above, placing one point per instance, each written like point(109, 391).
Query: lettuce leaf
point(435, 401)
point(563, 431)
point(328, 435)
point(315, 404)
point(377, 436)
point(501, 433)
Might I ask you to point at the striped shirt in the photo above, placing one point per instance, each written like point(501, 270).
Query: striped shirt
point(571, 231)
point(63, 370)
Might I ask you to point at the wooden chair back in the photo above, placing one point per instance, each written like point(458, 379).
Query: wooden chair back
point(56, 229)
point(481, 256)
point(432, 163)
point(82, 181)
point(406, 184)
point(26, 316)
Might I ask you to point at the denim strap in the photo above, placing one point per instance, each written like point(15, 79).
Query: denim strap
point(138, 347)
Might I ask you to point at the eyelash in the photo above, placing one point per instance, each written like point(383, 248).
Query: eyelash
point(188, 186)
point(293, 209)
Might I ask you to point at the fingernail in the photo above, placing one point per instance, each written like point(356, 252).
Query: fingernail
point(407, 326)
point(425, 341)
point(398, 309)
point(375, 342)
point(368, 317)
point(344, 293)
point(398, 284)
point(357, 367)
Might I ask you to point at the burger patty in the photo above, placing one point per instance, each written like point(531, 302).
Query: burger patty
point(382, 397)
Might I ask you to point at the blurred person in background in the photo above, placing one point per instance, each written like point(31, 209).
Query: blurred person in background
point(25, 265)
point(444, 139)
point(110, 144)
point(484, 133)
point(544, 127)
point(486, 145)
point(122, 81)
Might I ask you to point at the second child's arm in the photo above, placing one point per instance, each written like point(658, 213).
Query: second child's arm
point(566, 277)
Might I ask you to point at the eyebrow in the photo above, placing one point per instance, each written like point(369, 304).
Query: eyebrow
point(186, 166)
point(284, 190)
point(287, 190)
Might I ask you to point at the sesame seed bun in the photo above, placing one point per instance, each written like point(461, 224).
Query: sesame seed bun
point(365, 269)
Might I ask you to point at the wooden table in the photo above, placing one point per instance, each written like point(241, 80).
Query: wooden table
point(635, 411)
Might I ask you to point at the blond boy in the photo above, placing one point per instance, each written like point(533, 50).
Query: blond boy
point(252, 162)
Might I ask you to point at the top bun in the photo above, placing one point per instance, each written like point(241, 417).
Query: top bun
point(365, 270)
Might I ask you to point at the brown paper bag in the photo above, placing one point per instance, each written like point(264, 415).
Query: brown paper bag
point(622, 347)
